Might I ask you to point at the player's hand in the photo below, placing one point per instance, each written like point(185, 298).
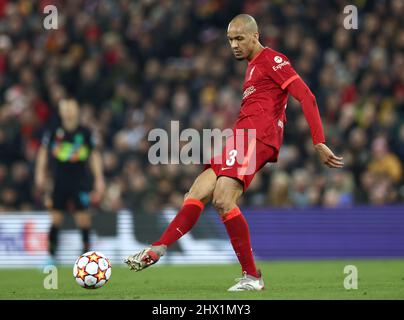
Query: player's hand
point(328, 157)
point(48, 202)
point(99, 189)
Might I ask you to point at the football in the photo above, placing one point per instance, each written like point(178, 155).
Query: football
point(92, 270)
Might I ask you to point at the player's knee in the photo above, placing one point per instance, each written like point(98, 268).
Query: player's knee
point(203, 186)
point(198, 194)
point(222, 203)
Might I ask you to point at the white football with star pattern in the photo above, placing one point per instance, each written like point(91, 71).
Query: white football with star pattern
point(92, 270)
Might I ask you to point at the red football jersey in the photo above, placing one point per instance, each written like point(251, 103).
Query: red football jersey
point(265, 96)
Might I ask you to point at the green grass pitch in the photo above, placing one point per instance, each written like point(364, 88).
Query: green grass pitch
point(377, 279)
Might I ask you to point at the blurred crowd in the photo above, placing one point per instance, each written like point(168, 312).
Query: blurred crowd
point(137, 65)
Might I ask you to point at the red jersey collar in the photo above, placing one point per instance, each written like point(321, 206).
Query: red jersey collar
point(257, 55)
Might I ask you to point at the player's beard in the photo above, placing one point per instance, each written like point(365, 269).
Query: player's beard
point(239, 57)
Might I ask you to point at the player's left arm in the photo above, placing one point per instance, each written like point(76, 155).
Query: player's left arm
point(301, 92)
point(96, 167)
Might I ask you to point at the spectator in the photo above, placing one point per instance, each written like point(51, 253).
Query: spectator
point(384, 163)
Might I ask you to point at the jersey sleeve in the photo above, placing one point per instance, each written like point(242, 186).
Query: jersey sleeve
point(280, 69)
point(301, 92)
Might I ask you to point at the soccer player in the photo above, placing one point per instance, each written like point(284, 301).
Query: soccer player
point(74, 161)
point(269, 80)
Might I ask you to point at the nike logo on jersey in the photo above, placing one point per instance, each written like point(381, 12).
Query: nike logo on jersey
point(226, 168)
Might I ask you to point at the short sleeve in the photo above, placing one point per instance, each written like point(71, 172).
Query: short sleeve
point(280, 69)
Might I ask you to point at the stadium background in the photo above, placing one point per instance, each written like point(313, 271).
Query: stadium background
point(137, 65)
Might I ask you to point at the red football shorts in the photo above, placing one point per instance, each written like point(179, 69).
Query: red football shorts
point(241, 158)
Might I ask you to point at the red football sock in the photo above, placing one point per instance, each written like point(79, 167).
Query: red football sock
point(182, 223)
point(238, 231)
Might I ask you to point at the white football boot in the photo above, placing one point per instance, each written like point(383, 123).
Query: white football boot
point(248, 283)
point(145, 258)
